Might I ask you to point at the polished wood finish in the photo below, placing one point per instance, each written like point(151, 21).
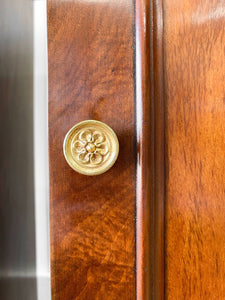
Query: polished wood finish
point(171, 134)
point(150, 150)
point(158, 149)
point(194, 38)
point(92, 219)
point(144, 134)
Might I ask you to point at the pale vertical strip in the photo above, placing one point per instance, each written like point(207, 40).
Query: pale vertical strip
point(41, 150)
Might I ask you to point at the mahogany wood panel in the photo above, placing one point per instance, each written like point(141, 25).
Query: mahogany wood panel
point(92, 219)
point(194, 35)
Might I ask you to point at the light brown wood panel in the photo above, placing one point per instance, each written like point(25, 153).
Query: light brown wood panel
point(194, 36)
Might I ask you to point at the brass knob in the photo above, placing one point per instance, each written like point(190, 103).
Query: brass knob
point(91, 147)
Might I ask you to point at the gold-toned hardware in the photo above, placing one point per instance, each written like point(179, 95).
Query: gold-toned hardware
point(91, 147)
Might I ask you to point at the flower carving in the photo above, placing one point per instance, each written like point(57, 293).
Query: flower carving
point(90, 147)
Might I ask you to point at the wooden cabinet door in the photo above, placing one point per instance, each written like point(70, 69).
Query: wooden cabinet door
point(151, 227)
point(91, 53)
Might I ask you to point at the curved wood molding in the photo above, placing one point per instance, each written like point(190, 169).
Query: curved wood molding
point(150, 150)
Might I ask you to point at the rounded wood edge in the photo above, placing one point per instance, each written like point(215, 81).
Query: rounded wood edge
point(150, 127)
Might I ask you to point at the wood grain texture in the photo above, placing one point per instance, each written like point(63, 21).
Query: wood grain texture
point(92, 222)
point(194, 34)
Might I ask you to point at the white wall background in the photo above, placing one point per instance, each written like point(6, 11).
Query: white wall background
point(24, 230)
point(41, 150)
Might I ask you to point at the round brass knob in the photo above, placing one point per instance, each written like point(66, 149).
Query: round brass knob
point(91, 147)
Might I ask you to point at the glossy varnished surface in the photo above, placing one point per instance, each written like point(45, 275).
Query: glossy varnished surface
point(150, 150)
point(195, 203)
point(91, 218)
point(143, 124)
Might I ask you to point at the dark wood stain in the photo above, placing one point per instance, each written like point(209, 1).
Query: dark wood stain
point(92, 219)
point(150, 149)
